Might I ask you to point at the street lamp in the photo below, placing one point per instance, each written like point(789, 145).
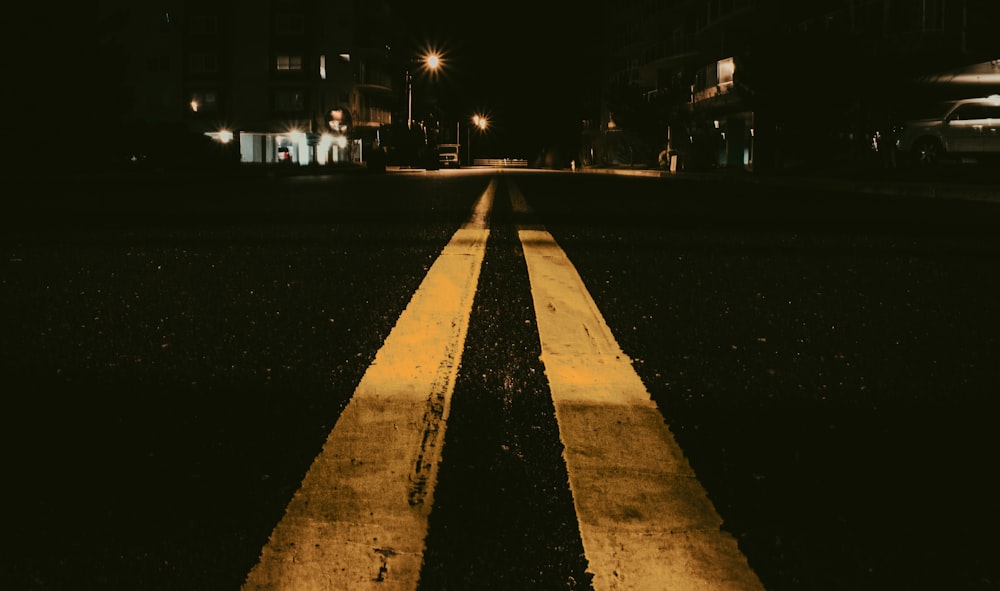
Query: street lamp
point(432, 62)
point(479, 121)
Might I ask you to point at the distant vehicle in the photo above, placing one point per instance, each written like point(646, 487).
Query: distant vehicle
point(284, 154)
point(967, 127)
point(448, 155)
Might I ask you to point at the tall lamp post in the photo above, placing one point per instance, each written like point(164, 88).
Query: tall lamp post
point(432, 62)
point(479, 121)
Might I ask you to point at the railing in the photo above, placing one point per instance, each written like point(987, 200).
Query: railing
point(712, 92)
point(519, 162)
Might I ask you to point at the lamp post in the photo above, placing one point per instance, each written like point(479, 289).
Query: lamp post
point(432, 62)
point(479, 121)
point(409, 99)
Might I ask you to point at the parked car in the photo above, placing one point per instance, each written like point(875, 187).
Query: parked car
point(967, 127)
point(448, 155)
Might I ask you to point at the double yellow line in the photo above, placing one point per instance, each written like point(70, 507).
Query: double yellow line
point(359, 520)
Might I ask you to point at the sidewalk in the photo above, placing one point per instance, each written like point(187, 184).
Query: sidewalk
point(980, 183)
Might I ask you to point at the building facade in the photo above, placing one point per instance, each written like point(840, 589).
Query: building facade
point(302, 81)
point(758, 84)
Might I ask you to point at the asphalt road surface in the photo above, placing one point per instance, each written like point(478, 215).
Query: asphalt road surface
point(776, 388)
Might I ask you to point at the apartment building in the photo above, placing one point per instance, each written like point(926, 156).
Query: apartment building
point(298, 81)
point(774, 83)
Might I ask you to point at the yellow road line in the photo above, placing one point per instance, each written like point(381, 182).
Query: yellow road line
point(359, 519)
point(645, 521)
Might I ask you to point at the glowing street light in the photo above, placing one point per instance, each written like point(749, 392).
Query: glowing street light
point(479, 121)
point(432, 62)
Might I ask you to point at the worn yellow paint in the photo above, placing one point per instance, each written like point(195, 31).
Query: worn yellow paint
point(359, 519)
point(645, 521)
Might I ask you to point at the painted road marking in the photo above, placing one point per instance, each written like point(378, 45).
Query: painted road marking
point(645, 521)
point(359, 519)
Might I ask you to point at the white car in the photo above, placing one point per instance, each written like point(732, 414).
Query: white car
point(967, 127)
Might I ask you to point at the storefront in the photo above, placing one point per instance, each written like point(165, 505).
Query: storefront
point(297, 147)
point(720, 130)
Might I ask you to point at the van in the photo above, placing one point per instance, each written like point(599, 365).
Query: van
point(448, 155)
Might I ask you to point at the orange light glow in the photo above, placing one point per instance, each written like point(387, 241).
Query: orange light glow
point(432, 61)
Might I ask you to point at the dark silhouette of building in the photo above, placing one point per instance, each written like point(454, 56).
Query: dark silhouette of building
point(758, 84)
point(302, 81)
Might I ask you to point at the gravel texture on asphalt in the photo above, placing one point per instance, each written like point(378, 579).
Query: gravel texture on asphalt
point(178, 353)
point(827, 362)
point(175, 352)
point(503, 515)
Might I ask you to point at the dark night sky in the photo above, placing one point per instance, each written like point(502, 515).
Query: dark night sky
point(524, 63)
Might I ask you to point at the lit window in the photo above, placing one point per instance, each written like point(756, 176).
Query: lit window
point(204, 101)
point(289, 63)
point(726, 68)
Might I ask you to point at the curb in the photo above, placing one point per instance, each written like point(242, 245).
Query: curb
point(915, 189)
